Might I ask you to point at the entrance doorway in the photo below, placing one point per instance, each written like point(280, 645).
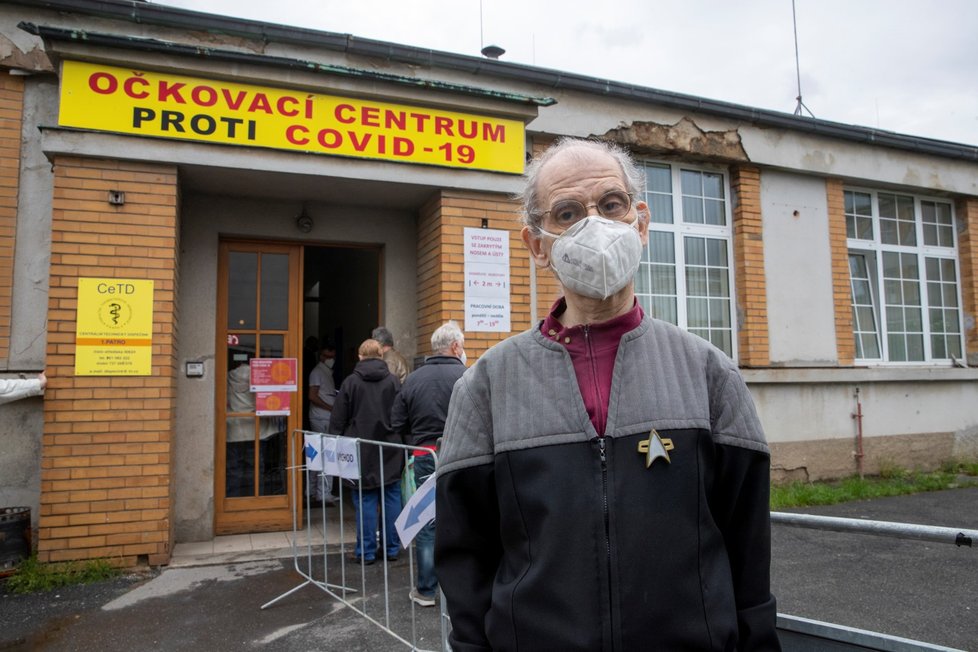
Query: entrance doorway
point(272, 297)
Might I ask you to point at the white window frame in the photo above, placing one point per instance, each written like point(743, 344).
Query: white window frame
point(875, 248)
point(680, 230)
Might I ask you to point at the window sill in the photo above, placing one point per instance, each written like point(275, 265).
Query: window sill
point(852, 375)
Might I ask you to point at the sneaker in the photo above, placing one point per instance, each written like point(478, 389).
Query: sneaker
point(358, 560)
point(421, 599)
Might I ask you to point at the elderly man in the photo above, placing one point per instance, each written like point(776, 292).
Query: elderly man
point(604, 478)
point(395, 361)
point(419, 416)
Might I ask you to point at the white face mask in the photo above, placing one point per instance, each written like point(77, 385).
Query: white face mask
point(596, 257)
point(464, 358)
point(329, 362)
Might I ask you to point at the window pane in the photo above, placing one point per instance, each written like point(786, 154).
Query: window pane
point(698, 313)
point(663, 280)
point(712, 185)
point(720, 313)
point(272, 346)
point(663, 250)
point(239, 457)
point(714, 212)
point(272, 456)
point(242, 290)
point(950, 295)
point(658, 178)
point(691, 183)
point(642, 279)
point(860, 292)
point(888, 232)
point(892, 292)
point(914, 320)
point(693, 210)
point(664, 308)
point(938, 346)
point(275, 291)
point(696, 281)
point(915, 347)
point(695, 251)
point(930, 235)
point(898, 348)
point(661, 208)
point(871, 347)
point(716, 282)
point(716, 252)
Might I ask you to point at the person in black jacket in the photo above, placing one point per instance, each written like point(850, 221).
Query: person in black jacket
point(419, 417)
point(362, 410)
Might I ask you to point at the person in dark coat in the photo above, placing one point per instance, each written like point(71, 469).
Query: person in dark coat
point(362, 409)
point(419, 417)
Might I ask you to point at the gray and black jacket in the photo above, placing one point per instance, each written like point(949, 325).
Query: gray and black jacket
point(552, 538)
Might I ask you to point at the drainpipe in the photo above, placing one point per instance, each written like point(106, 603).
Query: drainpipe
point(858, 416)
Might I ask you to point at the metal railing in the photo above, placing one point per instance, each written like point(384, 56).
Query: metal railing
point(932, 533)
point(318, 574)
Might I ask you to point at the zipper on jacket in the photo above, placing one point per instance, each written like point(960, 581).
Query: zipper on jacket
point(600, 405)
point(607, 526)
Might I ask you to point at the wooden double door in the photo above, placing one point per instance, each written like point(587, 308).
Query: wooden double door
point(274, 298)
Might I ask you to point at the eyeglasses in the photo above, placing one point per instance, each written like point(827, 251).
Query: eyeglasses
point(612, 205)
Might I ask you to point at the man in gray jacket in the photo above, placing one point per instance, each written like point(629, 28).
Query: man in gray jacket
point(604, 477)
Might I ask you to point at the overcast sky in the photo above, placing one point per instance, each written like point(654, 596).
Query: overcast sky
point(909, 66)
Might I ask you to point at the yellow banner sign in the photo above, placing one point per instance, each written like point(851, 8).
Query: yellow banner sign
point(165, 105)
point(114, 331)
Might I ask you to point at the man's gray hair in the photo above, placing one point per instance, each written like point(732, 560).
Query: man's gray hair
point(444, 336)
point(382, 335)
point(531, 213)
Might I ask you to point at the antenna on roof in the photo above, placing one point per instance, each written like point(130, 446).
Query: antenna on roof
point(800, 105)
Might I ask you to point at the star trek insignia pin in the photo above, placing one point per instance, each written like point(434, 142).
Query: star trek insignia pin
point(655, 447)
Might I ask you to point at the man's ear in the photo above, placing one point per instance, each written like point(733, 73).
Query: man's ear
point(534, 244)
point(644, 217)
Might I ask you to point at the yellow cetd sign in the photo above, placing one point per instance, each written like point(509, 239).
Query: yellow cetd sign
point(158, 104)
point(114, 331)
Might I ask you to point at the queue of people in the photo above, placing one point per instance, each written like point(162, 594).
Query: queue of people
point(373, 404)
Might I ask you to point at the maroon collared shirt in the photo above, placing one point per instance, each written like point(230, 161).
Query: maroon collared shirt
point(592, 349)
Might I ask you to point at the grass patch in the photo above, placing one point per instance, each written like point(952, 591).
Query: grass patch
point(894, 482)
point(32, 576)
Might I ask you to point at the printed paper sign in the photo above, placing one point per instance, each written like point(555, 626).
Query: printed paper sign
point(487, 284)
point(418, 512)
point(313, 449)
point(274, 374)
point(268, 404)
point(114, 327)
point(347, 461)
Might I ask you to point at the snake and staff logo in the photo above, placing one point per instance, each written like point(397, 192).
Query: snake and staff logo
point(115, 313)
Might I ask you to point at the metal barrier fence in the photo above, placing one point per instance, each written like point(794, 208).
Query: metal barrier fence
point(340, 582)
point(804, 635)
point(935, 534)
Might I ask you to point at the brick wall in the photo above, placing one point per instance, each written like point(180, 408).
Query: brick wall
point(441, 282)
point(841, 291)
point(106, 454)
point(967, 214)
point(11, 108)
point(751, 283)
